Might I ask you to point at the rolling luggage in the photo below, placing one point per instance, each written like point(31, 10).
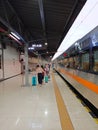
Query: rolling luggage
point(46, 79)
point(34, 81)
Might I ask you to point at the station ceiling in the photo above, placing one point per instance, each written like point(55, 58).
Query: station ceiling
point(40, 21)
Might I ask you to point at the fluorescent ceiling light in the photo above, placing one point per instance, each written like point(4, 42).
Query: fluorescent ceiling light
point(10, 35)
point(36, 45)
point(31, 48)
point(15, 35)
point(84, 23)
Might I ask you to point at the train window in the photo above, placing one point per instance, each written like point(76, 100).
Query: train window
point(95, 68)
point(85, 61)
point(71, 62)
point(86, 43)
point(77, 62)
point(94, 39)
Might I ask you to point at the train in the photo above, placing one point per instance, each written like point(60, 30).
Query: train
point(78, 65)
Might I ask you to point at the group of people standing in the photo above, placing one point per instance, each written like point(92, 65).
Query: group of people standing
point(41, 72)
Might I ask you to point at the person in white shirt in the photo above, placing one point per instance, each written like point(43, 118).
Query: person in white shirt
point(39, 72)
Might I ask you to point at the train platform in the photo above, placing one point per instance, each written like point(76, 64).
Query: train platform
point(53, 106)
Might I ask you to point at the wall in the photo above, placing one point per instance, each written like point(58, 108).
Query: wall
point(12, 65)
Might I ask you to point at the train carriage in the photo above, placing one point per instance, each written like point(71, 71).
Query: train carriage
point(79, 66)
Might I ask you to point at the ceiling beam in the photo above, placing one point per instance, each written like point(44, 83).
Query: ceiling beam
point(40, 2)
point(24, 31)
point(18, 19)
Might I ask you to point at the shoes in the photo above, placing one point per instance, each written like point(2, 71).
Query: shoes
point(40, 85)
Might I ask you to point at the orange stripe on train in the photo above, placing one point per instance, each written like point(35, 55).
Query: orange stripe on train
point(84, 82)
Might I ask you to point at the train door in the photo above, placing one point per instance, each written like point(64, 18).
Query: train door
point(1, 64)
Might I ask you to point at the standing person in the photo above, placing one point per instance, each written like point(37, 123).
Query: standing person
point(47, 69)
point(43, 73)
point(46, 73)
point(39, 72)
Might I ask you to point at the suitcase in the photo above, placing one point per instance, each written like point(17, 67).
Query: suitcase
point(46, 79)
point(34, 81)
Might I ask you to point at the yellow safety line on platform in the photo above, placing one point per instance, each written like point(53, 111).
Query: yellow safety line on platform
point(96, 120)
point(66, 123)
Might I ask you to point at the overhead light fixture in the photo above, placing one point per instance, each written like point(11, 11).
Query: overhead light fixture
point(11, 36)
point(15, 35)
point(31, 48)
point(46, 43)
point(36, 45)
point(40, 45)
